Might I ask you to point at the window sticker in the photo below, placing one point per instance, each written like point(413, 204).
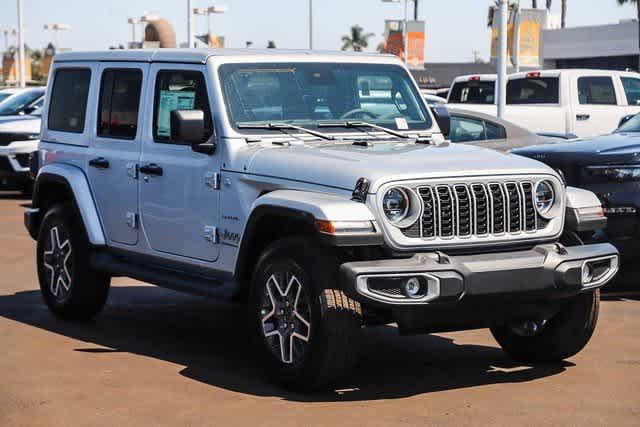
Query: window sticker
point(169, 101)
point(401, 123)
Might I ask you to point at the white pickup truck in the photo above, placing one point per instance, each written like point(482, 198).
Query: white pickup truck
point(585, 103)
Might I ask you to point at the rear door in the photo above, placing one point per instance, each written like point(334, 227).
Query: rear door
point(597, 111)
point(115, 149)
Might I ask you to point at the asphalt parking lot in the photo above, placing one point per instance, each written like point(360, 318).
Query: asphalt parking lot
point(156, 357)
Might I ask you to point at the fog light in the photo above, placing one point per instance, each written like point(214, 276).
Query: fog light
point(411, 288)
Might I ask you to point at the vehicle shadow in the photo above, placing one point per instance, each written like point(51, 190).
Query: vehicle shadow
point(10, 195)
point(210, 340)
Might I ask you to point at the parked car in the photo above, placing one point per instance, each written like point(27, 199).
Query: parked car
point(8, 91)
point(215, 172)
point(487, 131)
point(609, 166)
point(20, 128)
point(432, 99)
point(14, 166)
point(586, 103)
point(24, 101)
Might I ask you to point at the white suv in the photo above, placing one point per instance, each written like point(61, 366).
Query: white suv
point(318, 189)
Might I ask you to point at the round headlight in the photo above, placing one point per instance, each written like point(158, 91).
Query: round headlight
point(395, 204)
point(545, 197)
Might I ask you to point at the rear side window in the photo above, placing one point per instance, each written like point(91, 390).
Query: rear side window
point(466, 129)
point(179, 90)
point(632, 90)
point(119, 103)
point(473, 92)
point(537, 90)
point(68, 104)
point(596, 91)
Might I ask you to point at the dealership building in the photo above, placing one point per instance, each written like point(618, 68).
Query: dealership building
point(613, 47)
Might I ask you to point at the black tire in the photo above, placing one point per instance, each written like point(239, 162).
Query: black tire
point(561, 337)
point(335, 320)
point(70, 287)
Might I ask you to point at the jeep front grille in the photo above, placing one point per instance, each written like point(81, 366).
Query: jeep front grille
point(478, 209)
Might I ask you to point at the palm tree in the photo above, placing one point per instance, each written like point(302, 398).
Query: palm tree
point(623, 2)
point(534, 4)
point(357, 41)
point(563, 19)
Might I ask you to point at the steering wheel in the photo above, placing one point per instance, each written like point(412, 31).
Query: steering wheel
point(351, 114)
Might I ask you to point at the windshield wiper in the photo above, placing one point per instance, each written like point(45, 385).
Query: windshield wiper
point(283, 126)
point(360, 124)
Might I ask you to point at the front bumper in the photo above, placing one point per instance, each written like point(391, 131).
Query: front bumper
point(548, 270)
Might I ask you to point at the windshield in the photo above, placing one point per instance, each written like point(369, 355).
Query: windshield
point(473, 92)
point(14, 104)
point(632, 125)
point(4, 95)
point(305, 94)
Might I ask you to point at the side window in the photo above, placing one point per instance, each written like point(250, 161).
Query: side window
point(632, 90)
point(178, 90)
point(596, 91)
point(464, 129)
point(68, 105)
point(495, 131)
point(119, 103)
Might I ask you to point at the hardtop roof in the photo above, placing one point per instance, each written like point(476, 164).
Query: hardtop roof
point(201, 56)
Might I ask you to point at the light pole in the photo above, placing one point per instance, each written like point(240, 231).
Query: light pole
point(310, 24)
point(56, 28)
point(133, 22)
point(405, 30)
point(21, 77)
point(501, 84)
point(190, 38)
point(208, 11)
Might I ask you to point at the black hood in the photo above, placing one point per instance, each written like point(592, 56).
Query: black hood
point(616, 148)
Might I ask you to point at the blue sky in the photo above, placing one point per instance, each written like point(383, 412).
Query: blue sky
point(455, 28)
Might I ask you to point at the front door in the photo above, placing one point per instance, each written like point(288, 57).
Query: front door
point(115, 149)
point(179, 193)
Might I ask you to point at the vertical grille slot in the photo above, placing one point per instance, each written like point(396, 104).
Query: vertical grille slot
point(498, 209)
point(514, 207)
point(464, 210)
point(530, 215)
point(446, 205)
point(429, 217)
point(481, 209)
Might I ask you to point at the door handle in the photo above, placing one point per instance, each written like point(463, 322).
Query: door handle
point(99, 162)
point(582, 117)
point(151, 169)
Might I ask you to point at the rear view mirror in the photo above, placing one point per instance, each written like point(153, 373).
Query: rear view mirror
point(187, 127)
point(443, 119)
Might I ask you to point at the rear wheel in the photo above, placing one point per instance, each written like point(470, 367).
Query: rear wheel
point(305, 331)
point(70, 287)
point(558, 338)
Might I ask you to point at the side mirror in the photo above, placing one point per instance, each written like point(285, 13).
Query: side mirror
point(443, 119)
point(29, 110)
point(187, 127)
point(625, 119)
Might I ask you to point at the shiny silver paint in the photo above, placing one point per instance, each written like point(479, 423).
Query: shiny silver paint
point(177, 210)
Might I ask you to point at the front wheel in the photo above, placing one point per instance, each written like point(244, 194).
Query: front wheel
point(558, 338)
point(304, 330)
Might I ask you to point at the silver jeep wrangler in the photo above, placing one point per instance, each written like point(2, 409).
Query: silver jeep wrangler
point(316, 187)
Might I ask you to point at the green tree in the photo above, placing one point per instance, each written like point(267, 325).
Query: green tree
point(358, 39)
point(623, 2)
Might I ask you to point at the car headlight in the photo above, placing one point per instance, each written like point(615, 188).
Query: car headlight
point(545, 198)
point(396, 204)
point(619, 173)
point(401, 206)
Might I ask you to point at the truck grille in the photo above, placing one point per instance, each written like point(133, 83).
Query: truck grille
point(480, 209)
point(5, 165)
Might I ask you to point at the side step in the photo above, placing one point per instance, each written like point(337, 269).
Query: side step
point(164, 277)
